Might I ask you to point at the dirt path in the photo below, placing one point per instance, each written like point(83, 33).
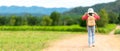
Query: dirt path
point(112, 32)
point(80, 43)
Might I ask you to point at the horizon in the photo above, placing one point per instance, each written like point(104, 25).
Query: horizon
point(33, 6)
point(52, 4)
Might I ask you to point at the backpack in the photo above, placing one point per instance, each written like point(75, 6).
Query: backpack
point(91, 21)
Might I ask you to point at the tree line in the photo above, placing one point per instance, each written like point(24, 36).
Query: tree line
point(57, 19)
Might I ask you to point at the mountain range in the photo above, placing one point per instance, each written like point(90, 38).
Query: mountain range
point(34, 10)
point(111, 6)
point(4, 10)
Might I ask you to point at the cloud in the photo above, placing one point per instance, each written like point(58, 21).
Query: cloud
point(52, 3)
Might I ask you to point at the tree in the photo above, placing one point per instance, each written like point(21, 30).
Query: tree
point(119, 18)
point(24, 20)
point(18, 21)
point(103, 18)
point(29, 19)
point(68, 21)
point(12, 20)
point(2, 20)
point(46, 21)
point(55, 16)
point(38, 20)
point(113, 17)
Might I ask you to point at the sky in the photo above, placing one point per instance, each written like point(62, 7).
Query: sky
point(52, 3)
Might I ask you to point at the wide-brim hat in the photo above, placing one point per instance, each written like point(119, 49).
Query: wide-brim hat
point(90, 10)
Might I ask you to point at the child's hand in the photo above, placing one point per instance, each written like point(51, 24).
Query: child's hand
point(95, 13)
point(86, 13)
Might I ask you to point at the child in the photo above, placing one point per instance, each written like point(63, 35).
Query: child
point(90, 18)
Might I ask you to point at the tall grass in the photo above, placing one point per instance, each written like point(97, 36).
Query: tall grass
point(43, 28)
point(73, 28)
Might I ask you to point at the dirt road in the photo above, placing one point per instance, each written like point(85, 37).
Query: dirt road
point(80, 43)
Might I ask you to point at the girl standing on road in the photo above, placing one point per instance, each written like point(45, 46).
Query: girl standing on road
point(90, 18)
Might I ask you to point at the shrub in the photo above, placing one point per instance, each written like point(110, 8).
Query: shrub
point(117, 31)
point(107, 28)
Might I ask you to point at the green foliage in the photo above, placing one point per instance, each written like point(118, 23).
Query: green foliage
point(119, 18)
point(113, 17)
point(55, 16)
point(24, 21)
point(103, 18)
point(82, 23)
point(73, 28)
point(38, 20)
point(117, 31)
point(12, 20)
point(31, 20)
point(46, 21)
point(68, 21)
point(3, 20)
point(18, 21)
point(116, 7)
point(107, 28)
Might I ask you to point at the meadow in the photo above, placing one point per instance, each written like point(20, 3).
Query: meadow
point(35, 38)
point(72, 28)
point(29, 40)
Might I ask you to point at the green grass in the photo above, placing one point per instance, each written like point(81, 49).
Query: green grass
point(73, 28)
point(107, 28)
point(12, 38)
point(117, 31)
point(29, 40)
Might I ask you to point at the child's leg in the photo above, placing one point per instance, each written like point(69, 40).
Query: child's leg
point(93, 35)
point(89, 36)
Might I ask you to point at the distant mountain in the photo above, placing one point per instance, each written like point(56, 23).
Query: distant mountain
point(111, 6)
point(31, 10)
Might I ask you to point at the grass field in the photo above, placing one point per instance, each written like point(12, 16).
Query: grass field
point(75, 28)
point(13, 39)
point(72, 28)
point(28, 40)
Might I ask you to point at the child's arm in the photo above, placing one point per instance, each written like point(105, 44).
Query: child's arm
point(97, 17)
point(85, 16)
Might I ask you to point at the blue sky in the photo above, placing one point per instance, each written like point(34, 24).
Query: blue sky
point(52, 3)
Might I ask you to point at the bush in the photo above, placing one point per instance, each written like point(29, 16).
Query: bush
point(117, 31)
point(107, 28)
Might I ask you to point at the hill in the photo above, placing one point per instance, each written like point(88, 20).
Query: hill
point(111, 6)
point(31, 10)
